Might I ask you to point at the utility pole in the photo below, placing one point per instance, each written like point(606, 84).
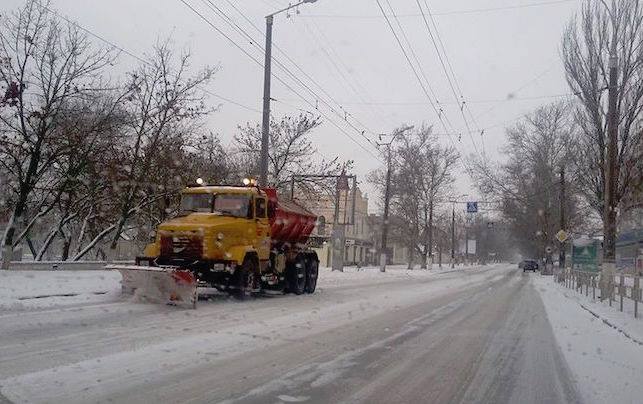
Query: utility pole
point(387, 194)
point(611, 174)
point(563, 225)
point(466, 242)
point(453, 236)
point(265, 124)
point(387, 198)
point(430, 235)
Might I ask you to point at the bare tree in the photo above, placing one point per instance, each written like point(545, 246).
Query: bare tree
point(44, 66)
point(291, 150)
point(527, 187)
point(164, 105)
point(422, 172)
point(589, 39)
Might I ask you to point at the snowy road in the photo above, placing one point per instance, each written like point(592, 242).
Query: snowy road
point(479, 335)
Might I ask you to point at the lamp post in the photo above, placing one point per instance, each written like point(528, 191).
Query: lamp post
point(454, 201)
point(387, 195)
point(265, 125)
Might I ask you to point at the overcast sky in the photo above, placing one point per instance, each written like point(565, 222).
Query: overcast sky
point(505, 55)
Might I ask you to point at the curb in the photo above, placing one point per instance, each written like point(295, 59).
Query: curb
point(607, 322)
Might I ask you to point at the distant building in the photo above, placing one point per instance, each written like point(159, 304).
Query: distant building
point(359, 234)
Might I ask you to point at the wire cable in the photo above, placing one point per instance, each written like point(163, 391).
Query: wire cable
point(290, 74)
point(415, 73)
point(207, 21)
point(454, 12)
point(134, 56)
point(446, 73)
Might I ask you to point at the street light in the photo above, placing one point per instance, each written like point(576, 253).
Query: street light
point(454, 201)
point(265, 127)
point(387, 194)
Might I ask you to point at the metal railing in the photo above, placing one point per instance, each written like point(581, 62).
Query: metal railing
point(617, 287)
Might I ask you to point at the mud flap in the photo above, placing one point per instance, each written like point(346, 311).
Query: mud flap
point(173, 286)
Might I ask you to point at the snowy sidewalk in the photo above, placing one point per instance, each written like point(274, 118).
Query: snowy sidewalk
point(29, 290)
point(601, 345)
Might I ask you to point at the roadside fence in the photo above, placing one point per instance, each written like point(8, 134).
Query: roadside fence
point(619, 287)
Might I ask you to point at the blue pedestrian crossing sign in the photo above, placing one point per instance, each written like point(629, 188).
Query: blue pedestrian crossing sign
point(472, 207)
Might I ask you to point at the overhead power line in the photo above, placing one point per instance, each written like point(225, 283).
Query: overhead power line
point(465, 104)
point(483, 101)
point(451, 78)
point(414, 70)
point(445, 13)
point(525, 84)
point(135, 56)
point(342, 69)
point(245, 52)
point(295, 64)
point(288, 72)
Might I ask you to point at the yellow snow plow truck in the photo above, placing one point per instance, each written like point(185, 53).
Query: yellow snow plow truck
point(237, 239)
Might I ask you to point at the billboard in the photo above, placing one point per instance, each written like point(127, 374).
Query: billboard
point(585, 254)
point(629, 250)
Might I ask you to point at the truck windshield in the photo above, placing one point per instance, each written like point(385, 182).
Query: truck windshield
point(236, 205)
point(195, 203)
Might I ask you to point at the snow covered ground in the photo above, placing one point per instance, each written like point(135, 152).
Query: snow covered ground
point(69, 336)
point(602, 346)
point(29, 290)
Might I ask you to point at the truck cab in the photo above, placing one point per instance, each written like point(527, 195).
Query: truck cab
point(215, 225)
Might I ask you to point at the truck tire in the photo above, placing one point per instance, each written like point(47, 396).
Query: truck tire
point(243, 280)
point(312, 271)
point(297, 276)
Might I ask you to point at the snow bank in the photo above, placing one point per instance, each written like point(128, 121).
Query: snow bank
point(607, 364)
point(38, 289)
point(27, 290)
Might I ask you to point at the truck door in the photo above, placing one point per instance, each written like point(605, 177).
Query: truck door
point(263, 228)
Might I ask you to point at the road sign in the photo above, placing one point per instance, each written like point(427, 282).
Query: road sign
point(562, 236)
point(472, 207)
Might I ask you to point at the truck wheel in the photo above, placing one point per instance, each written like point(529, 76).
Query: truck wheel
point(312, 271)
point(297, 276)
point(243, 280)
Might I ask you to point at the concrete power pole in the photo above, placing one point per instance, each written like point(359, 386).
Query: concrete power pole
point(453, 237)
point(387, 194)
point(430, 235)
point(387, 198)
point(265, 124)
point(611, 174)
point(563, 224)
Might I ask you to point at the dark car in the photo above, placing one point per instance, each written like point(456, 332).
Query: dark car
point(528, 265)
